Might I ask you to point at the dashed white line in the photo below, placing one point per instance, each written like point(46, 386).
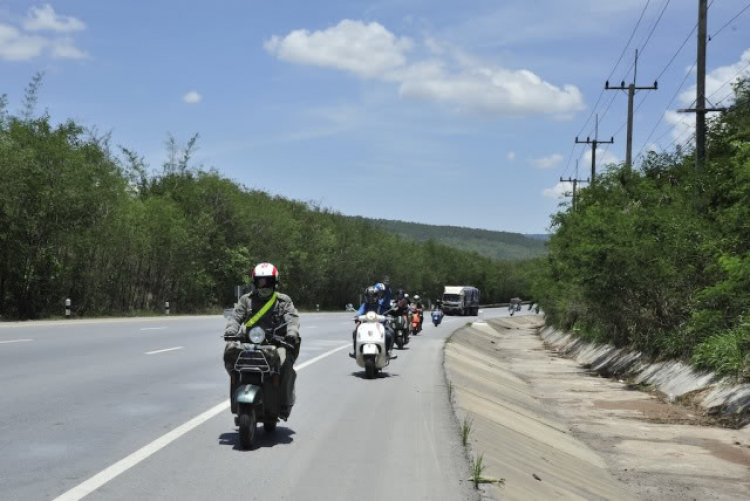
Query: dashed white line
point(164, 350)
point(153, 328)
point(88, 486)
point(16, 341)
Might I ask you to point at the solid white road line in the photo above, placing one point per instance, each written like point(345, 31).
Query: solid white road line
point(87, 487)
point(153, 328)
point(164, 350)
point(16, 341)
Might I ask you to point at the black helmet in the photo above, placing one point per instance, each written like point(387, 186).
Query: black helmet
point(400, 294)
point(371, 295)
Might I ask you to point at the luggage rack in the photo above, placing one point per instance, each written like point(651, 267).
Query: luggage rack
point(252, 361)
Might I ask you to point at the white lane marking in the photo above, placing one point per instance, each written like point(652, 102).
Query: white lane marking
point(88, 486)
point(301, 366)
point(153, 328)
point(348, 322)
point(16, 341)
point(164, 350)
point(311, 327)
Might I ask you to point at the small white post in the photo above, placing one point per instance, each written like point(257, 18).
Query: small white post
point(166, 307)
point(317, 307)
point(67, 309)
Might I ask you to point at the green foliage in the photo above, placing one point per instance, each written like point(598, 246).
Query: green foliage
point(495, 244)
point(466, 430)
point(726, 353)
point(659, 258)
point(79, 222)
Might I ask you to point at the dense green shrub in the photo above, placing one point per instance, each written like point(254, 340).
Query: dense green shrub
point(658, 259)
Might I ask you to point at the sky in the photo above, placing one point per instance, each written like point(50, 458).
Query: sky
point(440, 112)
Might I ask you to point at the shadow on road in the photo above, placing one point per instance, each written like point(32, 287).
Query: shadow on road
point(380, 375)
point(282, 436)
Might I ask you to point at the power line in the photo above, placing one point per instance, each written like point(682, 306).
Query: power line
point(661, 116)
point(614, 68)
point(650, 34)
point(711, 37)
point(731, 79)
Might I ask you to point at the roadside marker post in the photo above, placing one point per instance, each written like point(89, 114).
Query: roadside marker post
point(166, 307)
point(67, 309)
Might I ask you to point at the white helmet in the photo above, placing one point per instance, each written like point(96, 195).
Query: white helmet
point(416, 298)
point(265, 278)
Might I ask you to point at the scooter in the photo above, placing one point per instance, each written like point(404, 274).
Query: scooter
point(257, 382)
point(369, 348)
point(416, 322)
point(437, 316)
point(400, 330)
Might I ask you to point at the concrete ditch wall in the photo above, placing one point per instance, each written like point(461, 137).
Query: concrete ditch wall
point(717, 396)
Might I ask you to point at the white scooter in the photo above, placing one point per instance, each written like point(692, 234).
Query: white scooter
point(370, 351)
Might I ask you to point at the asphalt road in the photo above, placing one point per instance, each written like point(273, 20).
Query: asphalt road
point(137, 409)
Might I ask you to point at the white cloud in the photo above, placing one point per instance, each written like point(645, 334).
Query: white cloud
point(46, 19)
point(15, 46)
point(511, 155)
point(560, 190)
point(450, 77)
point(192, 97)
point(719, 81)
point(495, 91)
point(604, 157)
point(718, 86)
point(367, 50)
point(64, 48)
point(549, 162)
point(18, 45)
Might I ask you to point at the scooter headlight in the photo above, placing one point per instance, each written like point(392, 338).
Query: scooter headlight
point(257, 335)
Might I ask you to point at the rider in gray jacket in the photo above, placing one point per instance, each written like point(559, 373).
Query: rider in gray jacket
point(279, 310)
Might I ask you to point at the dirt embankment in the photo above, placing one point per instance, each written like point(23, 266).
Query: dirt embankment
point(553, 430)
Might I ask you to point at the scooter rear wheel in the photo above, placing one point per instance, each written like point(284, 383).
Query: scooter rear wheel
point(270, 425)
point(400, 342)
point(370, 368)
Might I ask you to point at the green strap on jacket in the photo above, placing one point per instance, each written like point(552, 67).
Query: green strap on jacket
point(262, 311)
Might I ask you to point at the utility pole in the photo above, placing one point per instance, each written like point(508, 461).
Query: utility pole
point(594, 144)
point(575, 182)
point(700, 109)
point(632, 88)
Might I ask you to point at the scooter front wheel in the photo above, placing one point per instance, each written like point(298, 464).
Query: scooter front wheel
point(400, 342)
point(247, 428)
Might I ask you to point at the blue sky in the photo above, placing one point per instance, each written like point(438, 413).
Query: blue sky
point(443, 112)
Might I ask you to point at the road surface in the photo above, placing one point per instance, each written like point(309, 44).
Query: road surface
point(137, 409)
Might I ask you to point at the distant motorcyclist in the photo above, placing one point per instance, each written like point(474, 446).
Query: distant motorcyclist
point(266, 308)
point(377, 299)
point(419, 309)
point(402, 303)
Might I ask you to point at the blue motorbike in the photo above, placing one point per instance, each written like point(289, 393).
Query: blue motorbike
point(437, 317)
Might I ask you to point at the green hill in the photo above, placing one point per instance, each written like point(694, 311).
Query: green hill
point(494, 244)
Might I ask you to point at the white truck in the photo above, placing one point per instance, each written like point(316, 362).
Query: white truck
point(460, 299)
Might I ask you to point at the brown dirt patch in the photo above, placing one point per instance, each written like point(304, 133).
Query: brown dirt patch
point(656, 411)
point(733, 453)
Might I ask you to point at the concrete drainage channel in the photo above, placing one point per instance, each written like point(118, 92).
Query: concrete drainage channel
point(547, 428)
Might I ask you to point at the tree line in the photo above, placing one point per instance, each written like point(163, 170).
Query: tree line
point(658, 259)
point(80, 219)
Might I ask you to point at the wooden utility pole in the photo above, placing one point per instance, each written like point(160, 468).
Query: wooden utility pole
point(632, 88)
point(700, 101)
point(700, 109)
point(575, 182)
point(594, 145)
